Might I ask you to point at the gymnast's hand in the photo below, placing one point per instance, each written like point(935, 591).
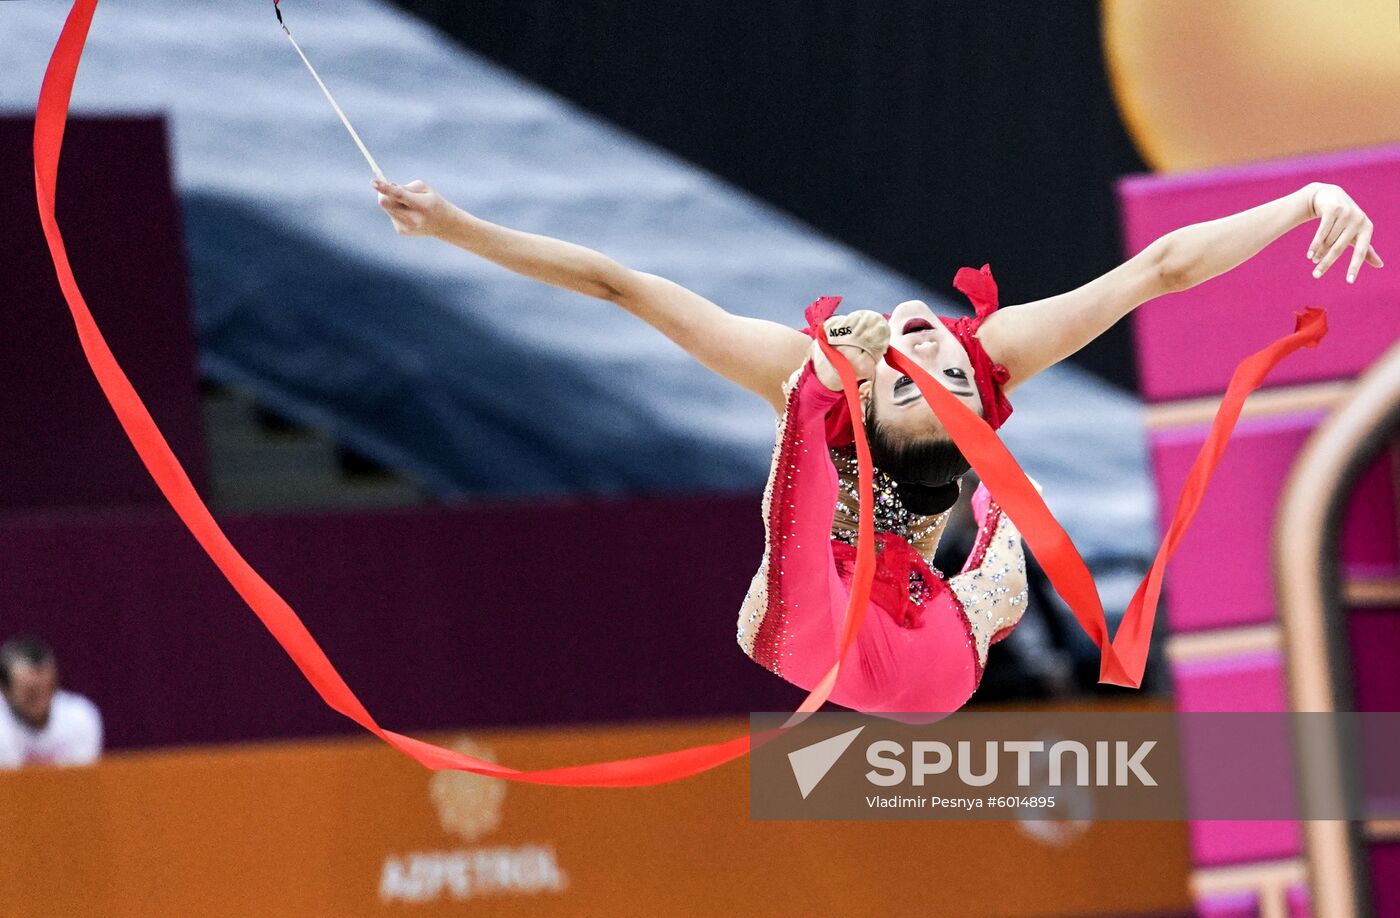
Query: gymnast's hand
point(1340, 224)
point(862, 336)
point(415, 209)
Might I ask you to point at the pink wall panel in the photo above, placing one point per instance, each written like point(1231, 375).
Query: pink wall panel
point(1248, 682)
point(1244, 309)
point(1220, 574)
point(1369, 542)
point(1229, 905)
point(1299, 902)
point(1217, 843)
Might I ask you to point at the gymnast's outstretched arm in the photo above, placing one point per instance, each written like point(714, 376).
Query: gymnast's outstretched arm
point(1030, 337)
point(755, 353)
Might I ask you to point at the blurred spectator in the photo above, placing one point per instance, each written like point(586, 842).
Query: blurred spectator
point(41, 724)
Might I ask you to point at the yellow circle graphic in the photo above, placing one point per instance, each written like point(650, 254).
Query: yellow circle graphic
point(1203, 83)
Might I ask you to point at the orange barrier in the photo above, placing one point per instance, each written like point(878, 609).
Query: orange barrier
point(349, 827)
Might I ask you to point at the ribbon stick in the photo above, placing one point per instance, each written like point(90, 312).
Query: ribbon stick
point(364, 151)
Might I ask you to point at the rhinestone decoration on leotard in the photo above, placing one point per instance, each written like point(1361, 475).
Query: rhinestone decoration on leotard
point(922, 532)
point(993, 592)
point(761, 628)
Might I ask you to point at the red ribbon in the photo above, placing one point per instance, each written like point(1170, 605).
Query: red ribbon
point(272, 610)
point(1123, 659)
point(996, 466)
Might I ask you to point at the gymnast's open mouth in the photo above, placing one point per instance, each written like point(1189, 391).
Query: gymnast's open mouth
point(917, 325)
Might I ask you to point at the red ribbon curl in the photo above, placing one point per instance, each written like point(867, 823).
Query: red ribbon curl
point(979, 443)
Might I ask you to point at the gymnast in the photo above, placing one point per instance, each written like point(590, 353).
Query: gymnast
point(925, 644)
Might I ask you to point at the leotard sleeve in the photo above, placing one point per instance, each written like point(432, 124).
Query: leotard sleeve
point(992, 584)
point(796, 596)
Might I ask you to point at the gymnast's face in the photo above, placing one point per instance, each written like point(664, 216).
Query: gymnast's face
point(916, 332)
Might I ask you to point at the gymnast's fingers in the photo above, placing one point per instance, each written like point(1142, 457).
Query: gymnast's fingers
point(1374, 259)
point(1324, 227)
point(861, 360)
point(1363, 245)
point(400, 211)
point(391, 190)
point(1335, 252)
point(1343, 228)
point(414, 192)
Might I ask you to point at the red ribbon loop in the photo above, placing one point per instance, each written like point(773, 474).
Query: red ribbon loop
point(272, 610)
point(1123, 659)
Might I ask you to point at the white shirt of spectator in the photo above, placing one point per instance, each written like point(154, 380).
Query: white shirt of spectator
point(73, 735)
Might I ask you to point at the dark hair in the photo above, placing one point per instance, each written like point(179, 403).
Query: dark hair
point(925, 469)
point(27, 650)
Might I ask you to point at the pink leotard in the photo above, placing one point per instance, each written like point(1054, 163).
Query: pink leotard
point(923, 644)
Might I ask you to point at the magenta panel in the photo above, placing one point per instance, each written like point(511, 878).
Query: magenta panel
point(1374, 636)
point(1299, 902)
point(1247, 682)
point(1370, 540)
point(1228, 905)
point(1188, 343)
point(1385, 879)
point(1220, 575)
point(1216, 843)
